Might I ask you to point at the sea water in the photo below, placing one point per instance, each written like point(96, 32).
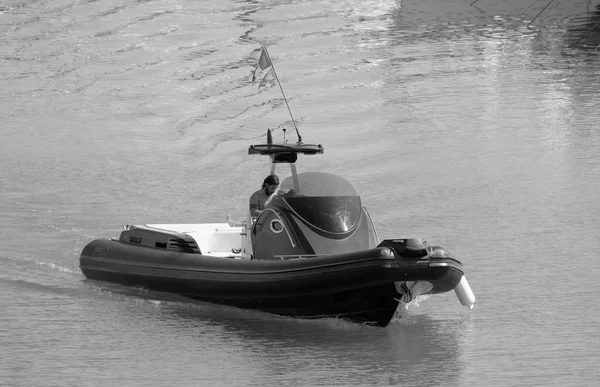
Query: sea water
point(474, 127)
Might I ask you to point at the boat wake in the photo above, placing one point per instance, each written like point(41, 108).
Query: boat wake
point(27, 261)
point(22, 275)
point(27, 285)
point(407, 310)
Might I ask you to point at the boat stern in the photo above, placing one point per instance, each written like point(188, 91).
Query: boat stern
point(428, 270)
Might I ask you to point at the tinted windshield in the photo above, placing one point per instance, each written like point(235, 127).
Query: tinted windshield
point(324, 200)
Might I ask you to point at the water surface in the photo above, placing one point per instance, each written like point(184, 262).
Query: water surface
point(470, 126)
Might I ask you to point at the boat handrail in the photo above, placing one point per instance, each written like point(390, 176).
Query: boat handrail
point(275, 212)
point(235, 223)
point(233, 230)
point(372, 224)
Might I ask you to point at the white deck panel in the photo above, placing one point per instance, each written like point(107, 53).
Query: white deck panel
point(196, 227)
point(219, 239)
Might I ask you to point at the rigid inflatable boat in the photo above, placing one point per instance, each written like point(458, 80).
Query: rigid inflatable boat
point(313, 252)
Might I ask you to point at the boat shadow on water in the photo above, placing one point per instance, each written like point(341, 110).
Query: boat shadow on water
point(411, 341)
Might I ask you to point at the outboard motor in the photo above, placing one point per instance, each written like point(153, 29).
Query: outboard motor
point(416, 249)
point(407, 248)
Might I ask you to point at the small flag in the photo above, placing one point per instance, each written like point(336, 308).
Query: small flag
point(263, 81)
point(264, 62)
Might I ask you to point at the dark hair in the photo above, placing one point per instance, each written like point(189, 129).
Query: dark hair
point(270, 180)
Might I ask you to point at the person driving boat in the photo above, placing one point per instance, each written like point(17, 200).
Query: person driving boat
point(259, 199)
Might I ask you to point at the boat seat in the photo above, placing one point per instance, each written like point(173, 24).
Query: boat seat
point(220, 241)
point(235, 223)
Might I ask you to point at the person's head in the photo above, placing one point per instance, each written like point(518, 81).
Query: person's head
point(270, 184)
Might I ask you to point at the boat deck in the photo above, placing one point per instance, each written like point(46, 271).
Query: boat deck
point(215, 239)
